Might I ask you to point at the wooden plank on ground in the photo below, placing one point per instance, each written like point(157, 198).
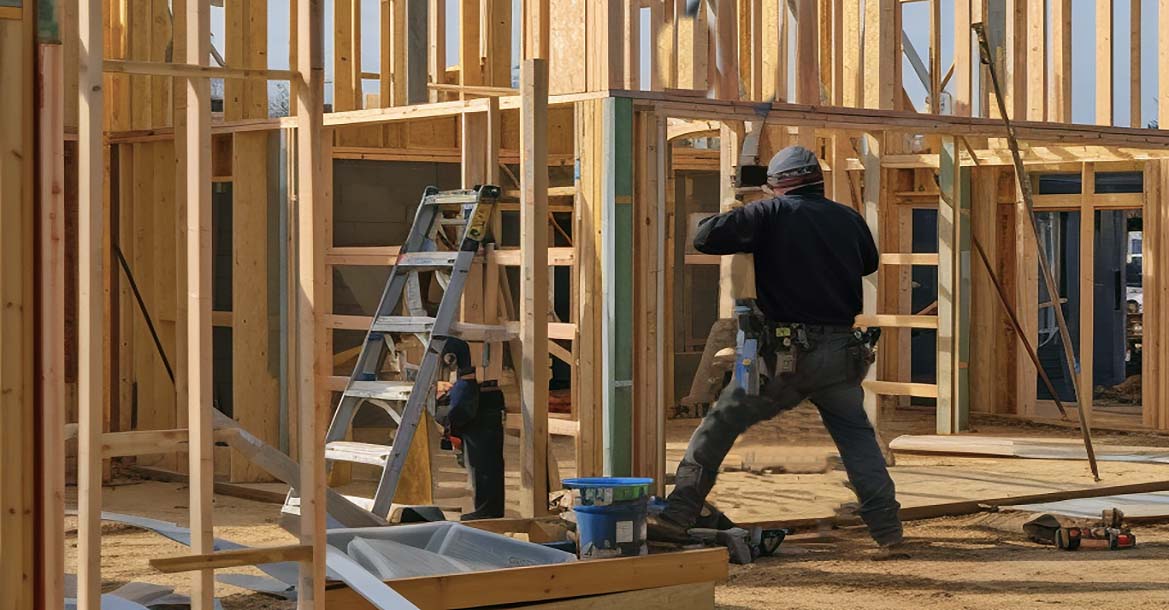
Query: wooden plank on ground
point(550, 582)
point(232, 559)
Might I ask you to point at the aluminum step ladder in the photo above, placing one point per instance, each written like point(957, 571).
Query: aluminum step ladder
point(429, 247)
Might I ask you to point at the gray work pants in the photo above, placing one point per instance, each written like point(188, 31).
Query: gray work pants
point(830, 375)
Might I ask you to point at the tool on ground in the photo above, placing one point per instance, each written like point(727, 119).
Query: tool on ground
point(429, 247)
point(1098, 538)
point(1024, 184)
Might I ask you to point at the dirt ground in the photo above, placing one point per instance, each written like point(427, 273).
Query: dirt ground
point(975, 561)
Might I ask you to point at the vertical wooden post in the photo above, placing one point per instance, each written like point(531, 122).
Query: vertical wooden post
point(310, 262)
point(1163, 64)
point(91, 304)
point(199, 391)
point(52, 278)
point(346, 48)
point(850, 60)
point(935, 56)
point(1036, 61)
point(470, 65)
point(963, 82)
point(1104, 59)
point(953, 212)
point(534, 371)
point(631, 43)
point(1134, 64)
point(808, 60)
point(499, 44)
point(878, 92)
point(436, 39)
point(1061, 61)
point(1087, 284)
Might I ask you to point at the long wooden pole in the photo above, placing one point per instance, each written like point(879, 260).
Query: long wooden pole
point(1024, 182)
point(90, 309)
point(310, 195)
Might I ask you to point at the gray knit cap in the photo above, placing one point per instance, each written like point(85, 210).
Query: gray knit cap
point(794, 166)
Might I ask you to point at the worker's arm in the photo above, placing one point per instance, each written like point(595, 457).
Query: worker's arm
point(870, 257)
point(731, 232)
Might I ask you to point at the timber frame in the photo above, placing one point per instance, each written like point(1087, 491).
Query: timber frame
point(124, 133)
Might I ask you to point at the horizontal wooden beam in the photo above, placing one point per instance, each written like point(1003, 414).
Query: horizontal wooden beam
point(901, 388)
point(702, 259)
point(368, 256)
point(1106, 201)
point(1033, 155)
point(233, 559)
point(157, 68)
point(473, 89)
point(557, 257)
point(222, 318)
point(899, 258)
point(553, 191)
point(146, 442)
point(836, 118)
point(547, 582)
point(888, 320)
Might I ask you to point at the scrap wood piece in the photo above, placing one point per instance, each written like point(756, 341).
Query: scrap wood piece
point(549, 582)
point(1032, 448)
point(233, 558)
point(966, 507)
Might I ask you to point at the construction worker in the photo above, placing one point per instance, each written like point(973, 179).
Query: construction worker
point(810, 255)
point(473, 419)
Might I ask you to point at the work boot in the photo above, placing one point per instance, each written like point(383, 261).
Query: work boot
point(891, 552)
point(691, 486)
point(661, 528)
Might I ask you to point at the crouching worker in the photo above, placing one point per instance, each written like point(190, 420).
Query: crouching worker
point(471, 414)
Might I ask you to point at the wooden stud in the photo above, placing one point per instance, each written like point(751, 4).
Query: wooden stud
point(1037, 61)
point(470, 60)
point(951, 417)
point(199, 390)
point(1134, 64)
point(1087, 283)
point(20, 533)
point(232, 559)
point(91, 304)
point(1104, 60)
point(963, 69)
point(51, 279)
point(400, 54)
point(346, 69)
point(436, 39)
point(312, 285)
point(631, 42)
point(499, 42)
point(534, 288)
point(1060, 109)
point(935, 57)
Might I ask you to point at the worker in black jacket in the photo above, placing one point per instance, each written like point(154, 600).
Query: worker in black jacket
point(473, 418)
point(810, 255)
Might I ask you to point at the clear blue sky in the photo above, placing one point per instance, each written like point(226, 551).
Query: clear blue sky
point(915, 20)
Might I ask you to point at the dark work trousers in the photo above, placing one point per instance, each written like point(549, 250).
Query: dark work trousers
point(483, 449)
point(830, 375)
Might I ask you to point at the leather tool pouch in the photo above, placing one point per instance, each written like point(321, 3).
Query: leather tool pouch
point(860, 358)
point(786, 351)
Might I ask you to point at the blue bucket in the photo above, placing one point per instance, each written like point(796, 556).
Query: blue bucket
point(610, 516)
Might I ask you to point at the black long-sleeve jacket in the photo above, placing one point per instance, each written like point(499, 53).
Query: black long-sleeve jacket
point(810, 255)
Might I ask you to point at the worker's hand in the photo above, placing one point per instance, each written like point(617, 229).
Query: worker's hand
point(443, 387)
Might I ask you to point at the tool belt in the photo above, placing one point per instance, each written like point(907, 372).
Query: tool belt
point(784, 342)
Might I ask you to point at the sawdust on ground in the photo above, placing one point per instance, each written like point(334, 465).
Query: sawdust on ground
point(976, 561)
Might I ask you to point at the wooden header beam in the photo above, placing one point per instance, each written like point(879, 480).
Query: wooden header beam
point(157, 68)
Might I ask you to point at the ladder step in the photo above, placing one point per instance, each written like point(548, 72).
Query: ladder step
point(402, 324)
point(479, 333)
point(358, 453)
point(458, 222)
point(453, 198)
point(423, 261)
point(385, 390)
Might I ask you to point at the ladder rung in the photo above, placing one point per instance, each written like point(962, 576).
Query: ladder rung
point(453, 198)
point(485, 333)
point(481, 333)
point(358, 453)
point(416, 261)
point(453, 221)
point(403, 324)
point(385, 390)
